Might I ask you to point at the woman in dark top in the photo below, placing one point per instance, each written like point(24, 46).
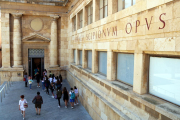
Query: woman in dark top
point(58, 84)
point(38, 79)
point(26, 79)
point(65, 96)
point(47, 83)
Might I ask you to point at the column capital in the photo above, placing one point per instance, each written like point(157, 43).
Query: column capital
point(54, 17)
point(17, 15)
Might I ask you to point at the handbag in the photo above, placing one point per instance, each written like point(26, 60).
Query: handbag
point(25, 105)
point(34, 101)
point(24, 79)
point(55, 96)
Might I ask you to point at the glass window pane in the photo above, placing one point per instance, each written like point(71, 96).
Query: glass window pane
point(74, 56)
point(101, 4)
point(127, 3)
point(101, 13)
point(106, 11)
point(89, 20)
point(125, 68)
point(164, 78)
point(89, 10)
point(120, 5)
point(103, 62)
point(80, 57)
point(134, 2)
point(89, 59)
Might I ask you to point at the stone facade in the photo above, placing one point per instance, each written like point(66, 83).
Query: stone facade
point(148, 28)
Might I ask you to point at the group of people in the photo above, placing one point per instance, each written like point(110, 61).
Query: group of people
point(54, 84)
point(38, 101)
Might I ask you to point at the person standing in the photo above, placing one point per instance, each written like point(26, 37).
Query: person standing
point(21, 105)
point(42, 80)
point(47, 83)
point(52, 89)
point(38, 78)
point(59, 94)
point(45, 72)
point(26, 79)
point(30, 82)
point(65, 96)
point(76, 95)
point(39, 102)
point(72, 97)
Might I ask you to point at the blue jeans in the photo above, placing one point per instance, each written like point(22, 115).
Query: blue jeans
point(30, 85)
point(43, 87)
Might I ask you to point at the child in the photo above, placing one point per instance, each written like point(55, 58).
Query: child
point(72, 97)
point(30, 82)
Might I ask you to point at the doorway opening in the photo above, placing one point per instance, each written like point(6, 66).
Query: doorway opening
point(36, 62)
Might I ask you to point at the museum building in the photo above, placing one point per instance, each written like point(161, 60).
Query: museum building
point(123, 55)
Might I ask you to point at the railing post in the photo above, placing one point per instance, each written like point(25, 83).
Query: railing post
point(4, 92)
point(1, 96)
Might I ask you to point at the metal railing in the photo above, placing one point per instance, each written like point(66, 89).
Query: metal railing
point(5, 87)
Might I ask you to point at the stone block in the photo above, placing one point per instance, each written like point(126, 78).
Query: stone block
point(152, 112)
point(164, 44)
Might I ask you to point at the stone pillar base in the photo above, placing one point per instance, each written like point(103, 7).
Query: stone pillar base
point(53, 66)
point(17, 66)
point(15, 74)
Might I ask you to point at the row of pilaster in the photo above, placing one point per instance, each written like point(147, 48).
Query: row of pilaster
point(17, 44)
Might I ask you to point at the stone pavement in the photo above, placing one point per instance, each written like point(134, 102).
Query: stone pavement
point(9, 107)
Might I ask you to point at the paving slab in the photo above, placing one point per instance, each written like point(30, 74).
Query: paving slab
point(9, 109)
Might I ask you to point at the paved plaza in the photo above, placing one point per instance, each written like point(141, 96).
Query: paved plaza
point(9, 107)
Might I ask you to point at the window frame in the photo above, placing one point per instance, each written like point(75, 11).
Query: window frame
point(117, 68)
point(91, 13)
point(148, 69)
point(74, 23)
point(80, 57)
point(87, 60)
point(98, 64)
point(123, 6)
point(103, 9)
point(74, 59)
point(80, 19)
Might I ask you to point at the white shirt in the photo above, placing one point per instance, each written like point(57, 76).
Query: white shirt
point(75, 91)
point(21, 103)
point(50, 79)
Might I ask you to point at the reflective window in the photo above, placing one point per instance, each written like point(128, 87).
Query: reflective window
point(164, 78)
point(80, 19)
point(74, 23)
point(125, 68)
point(103, 11)
point(103, 62)
point(74, 53)
point(89, 60)
point(80, 57)
point(123, 4)
point(90, 13)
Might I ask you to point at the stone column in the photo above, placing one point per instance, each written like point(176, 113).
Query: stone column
point(17, 41)
point(53, 43)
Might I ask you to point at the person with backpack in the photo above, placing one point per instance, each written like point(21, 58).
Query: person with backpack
point(65, 96)
point(38, 101)
point(38, 76)
point(76, 95)
point(72, 97)
point(21, 105)
point(59, 94)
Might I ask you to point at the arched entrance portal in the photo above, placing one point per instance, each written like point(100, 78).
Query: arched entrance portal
point(35, 61)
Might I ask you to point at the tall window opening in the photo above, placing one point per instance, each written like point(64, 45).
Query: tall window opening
point(103, 63)
point(90, 13)
point(103, 8)
point(80, 19)
point(74, 23)
point(123, 4)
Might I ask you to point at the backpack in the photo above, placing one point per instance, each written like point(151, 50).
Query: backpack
point(72, 95)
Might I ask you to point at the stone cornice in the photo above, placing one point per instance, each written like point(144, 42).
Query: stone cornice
point(35, 38)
